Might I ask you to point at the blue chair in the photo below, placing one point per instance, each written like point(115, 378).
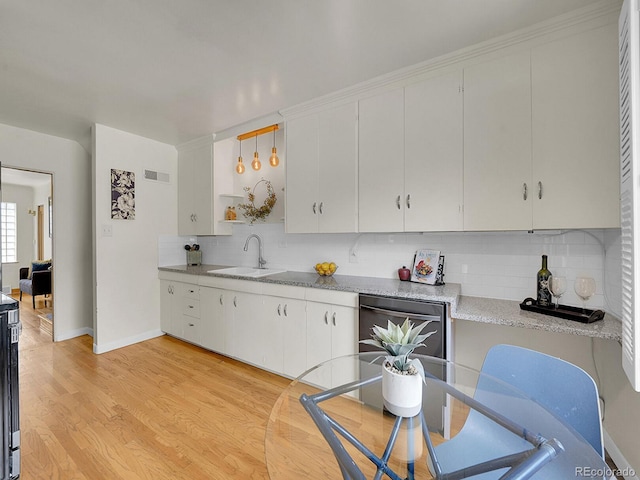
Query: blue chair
point(560, 387)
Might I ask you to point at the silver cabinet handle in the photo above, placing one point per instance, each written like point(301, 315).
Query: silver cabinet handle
point(524, 191)
point(408, 201)
point(333, 319)
point(285, 309)
point(279, 310)
point(539, 190)
point(235, 301)
point(221, 300)
point(314, 208)
point(191, 325)
point(326, 318)
point(190, 306)
point(320, 207)
point(398, 202)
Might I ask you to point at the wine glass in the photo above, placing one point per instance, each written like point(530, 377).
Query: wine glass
point(557, 287)
point(585, 287)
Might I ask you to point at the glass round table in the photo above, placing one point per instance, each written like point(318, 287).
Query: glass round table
point(331, 423)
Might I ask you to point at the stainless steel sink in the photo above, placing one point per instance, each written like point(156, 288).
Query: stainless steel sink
point(250, 272)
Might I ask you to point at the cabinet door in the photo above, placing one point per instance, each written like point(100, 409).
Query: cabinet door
point(195, 190)
point(247, 323)
point(343, 342)
point(203, 188)
point(167, 307)
point(294, 337)
point(271, 333)
point(576, 131)
point(338, 172)
point(497, 144)
point(186, 210)
point(319, 341)
point(212, 328)
point(302, 175)
point(433, 154)
point(381, 162)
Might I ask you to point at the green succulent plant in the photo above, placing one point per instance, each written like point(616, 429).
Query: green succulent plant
point(399, 342)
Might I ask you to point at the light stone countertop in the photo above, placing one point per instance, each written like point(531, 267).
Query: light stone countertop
point(477, 309)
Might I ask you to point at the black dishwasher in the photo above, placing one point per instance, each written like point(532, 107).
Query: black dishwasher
point(377, 310)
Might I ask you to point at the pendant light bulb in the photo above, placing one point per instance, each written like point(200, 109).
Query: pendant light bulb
point(274, 161)
point(240, 165)
point(256, 162)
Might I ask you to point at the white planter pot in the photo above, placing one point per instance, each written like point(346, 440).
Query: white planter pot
point(401, 394)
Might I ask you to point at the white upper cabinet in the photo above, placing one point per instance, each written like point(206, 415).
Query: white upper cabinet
point(576, 131)
point(381, 162)
point(433, 154)
point(497, 144)
point(321, 180)
point(410, 157)
point(198, 177)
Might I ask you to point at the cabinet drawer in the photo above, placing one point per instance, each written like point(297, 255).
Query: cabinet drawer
point(191, 307)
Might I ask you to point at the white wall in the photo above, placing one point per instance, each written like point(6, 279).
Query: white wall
point(127, 289)
point(22, 196)
point(71, 168)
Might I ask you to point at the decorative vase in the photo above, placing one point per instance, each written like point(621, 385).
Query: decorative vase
point(401, 394)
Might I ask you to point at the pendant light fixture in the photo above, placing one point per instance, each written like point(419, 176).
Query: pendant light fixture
point(240, 165)
point(256, 162)
point(273, 159)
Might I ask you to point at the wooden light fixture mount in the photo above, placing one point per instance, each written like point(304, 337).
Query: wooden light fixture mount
point(260, 131)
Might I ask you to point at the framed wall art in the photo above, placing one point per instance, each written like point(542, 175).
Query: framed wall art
point(123, 205)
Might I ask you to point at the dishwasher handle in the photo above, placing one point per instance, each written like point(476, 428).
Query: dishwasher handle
point(398, 314)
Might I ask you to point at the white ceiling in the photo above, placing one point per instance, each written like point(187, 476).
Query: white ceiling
point(177, 70)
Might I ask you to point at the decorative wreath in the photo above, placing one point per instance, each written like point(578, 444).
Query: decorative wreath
point(249, 209)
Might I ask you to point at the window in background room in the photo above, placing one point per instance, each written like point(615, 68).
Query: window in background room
point(9, 232)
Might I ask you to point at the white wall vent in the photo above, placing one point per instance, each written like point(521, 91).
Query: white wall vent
point(157, 176)
point(629, 45)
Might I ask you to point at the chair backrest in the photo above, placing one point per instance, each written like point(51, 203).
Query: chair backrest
point(559, 386)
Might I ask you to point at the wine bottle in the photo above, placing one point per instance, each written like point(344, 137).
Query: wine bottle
point(542, 285)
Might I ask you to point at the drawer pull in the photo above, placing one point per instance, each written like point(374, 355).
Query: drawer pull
point(333, 318)
point(285, 309)
point(326, 318)
point(279, 314)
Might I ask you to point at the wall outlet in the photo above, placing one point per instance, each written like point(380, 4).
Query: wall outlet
point(107, 231)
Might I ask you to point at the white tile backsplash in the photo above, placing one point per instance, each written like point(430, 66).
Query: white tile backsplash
point(489, 264)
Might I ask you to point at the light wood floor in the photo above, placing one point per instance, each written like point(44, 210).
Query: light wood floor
point(161, 409)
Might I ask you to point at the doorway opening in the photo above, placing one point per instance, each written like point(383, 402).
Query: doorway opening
point(28, 273)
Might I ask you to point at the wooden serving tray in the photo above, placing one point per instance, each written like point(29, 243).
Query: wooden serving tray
point(563, 311)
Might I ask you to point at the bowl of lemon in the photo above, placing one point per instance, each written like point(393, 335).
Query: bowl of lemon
point(325, 269)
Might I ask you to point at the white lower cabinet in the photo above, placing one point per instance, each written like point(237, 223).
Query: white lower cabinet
point(243, 317)
point(180, 310)
point(284, 324)
point(212, 310)
point(331, 332)
point(283, 329)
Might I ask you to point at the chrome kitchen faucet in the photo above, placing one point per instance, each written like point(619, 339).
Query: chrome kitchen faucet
point(261, 261)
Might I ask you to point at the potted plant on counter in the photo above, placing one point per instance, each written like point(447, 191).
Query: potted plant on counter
point(402, 377)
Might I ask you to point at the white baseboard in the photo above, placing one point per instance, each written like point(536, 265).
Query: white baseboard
point(124, 342)
point(625, 469)
point(72, 334)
